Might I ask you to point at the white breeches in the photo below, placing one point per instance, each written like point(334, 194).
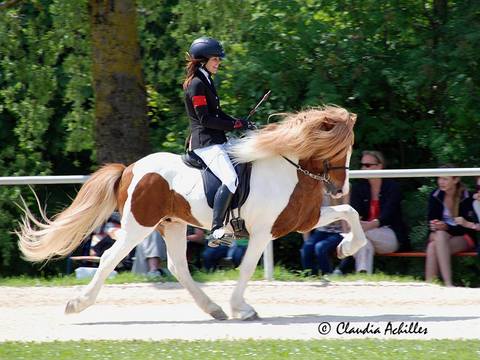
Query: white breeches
point(217, 160)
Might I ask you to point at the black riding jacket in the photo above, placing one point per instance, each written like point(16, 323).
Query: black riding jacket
point(208, 122)
point(465, 209)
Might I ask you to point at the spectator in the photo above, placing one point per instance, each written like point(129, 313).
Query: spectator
point(195, 246)
point(476, 207)
point(150, 255)
point(213, 256)
point(476, 197)
point(101, 239)
point(345, 266)
point(319, 245)
point(378, 204)
point(452, 225)
point(104, 236)
point(238, 251)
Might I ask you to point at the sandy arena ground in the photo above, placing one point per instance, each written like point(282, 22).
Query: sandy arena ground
point(288, 310)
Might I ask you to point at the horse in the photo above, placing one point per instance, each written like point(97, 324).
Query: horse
point(295, 161)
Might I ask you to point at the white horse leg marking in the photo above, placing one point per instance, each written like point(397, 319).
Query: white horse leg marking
point(126, 239)
point(175, 239)
point(355, 239)
point(256, 245)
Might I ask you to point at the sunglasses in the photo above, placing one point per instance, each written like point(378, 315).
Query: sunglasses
point(367, 165)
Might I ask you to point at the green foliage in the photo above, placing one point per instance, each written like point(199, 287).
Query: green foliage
point(415, 210)
point(45, 102)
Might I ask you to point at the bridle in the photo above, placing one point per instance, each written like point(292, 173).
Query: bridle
point(324, 176)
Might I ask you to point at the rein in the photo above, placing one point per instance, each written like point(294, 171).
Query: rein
point(325, 177)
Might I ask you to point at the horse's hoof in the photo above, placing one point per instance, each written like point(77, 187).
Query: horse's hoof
point(252, 316)
point(71, 308)
point(219, 314)
point(76, 305)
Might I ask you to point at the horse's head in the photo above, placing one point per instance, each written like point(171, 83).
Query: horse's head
point(335, 175)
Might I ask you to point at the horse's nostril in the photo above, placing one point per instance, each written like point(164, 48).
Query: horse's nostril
point(339, 192)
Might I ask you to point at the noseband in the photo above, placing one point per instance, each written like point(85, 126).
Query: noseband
point(324, 176)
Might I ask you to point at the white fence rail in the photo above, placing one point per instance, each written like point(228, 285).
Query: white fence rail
point(354, 174)
point(268, 254)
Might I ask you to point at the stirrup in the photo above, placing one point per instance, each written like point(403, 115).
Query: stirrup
point(226, 239)
point(239, 229)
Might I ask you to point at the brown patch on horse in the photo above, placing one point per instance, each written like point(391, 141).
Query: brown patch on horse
point(122, 187)
point(303, 209)
point(153, 200)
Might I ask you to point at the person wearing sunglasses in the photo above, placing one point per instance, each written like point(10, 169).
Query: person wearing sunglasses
point(452, 224)
point(377, 201)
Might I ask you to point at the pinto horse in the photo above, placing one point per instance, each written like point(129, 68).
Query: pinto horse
point(294, 162)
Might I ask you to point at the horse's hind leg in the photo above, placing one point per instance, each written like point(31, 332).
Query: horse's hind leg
point(256, 245)
point(175, 239)
point(127, 238)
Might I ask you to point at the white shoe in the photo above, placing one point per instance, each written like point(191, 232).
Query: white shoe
point(219, 233)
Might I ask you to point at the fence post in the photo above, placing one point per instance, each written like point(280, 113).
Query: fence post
point(268, 261)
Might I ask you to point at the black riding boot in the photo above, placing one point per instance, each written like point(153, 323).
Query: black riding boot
point(221, 203)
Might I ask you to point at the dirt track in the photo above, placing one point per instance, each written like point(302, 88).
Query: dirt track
point(288, 311)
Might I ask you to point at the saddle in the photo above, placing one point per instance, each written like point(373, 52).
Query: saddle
point(211, 184)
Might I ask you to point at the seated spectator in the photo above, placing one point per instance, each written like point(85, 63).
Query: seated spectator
point(476, 197)
point(345, 266)
point(378, 204)
point(195, 246)
point(237, 252)
point(104, 236)
point(151, 256)
point(101, 239)
point(320, 244)
point(212, 256)
point(452, 224)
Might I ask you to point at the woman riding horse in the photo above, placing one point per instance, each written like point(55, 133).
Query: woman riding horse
point(208, 124)
point(294, 162)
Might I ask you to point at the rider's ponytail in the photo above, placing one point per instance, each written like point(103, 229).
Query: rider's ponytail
point(192, 66)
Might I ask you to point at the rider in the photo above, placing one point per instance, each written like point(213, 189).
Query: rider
point(208, 124)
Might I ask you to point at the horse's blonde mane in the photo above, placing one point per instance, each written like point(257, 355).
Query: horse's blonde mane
point(318, 133)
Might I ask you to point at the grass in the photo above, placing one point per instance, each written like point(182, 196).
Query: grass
point(280, 274)
point(245, 349)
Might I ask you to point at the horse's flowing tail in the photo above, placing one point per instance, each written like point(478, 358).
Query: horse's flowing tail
point(58, 237)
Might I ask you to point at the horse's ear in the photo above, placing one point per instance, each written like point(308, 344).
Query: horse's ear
point(327, 125)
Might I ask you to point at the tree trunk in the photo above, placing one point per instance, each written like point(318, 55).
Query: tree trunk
point(121, 128)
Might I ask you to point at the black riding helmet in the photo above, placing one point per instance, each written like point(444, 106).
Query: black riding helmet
point(206, 47)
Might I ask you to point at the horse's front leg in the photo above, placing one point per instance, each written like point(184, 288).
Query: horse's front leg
point(353, 240)
point(256, 245)
point(175, 239)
